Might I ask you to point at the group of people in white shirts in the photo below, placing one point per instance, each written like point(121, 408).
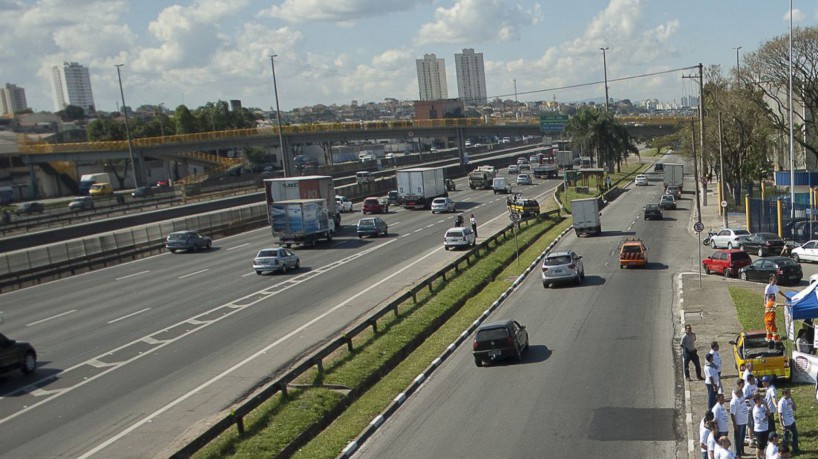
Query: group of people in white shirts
point(753, 414)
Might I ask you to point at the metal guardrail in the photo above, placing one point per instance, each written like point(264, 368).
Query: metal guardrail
point(315, 360)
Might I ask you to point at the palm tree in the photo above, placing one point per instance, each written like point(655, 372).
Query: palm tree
point(598, 133)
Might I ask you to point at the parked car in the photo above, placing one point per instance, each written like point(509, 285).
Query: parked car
point(523, 179)
point(562, 266)
point(28, 208)
point(641, 180)
point(374, 205)
point(728, 238)
point(751, 350)
point(808, 251)
point(786, 270)
point(275, 260)
point(392, 197)
point(344, 204)
point(513, 169)
point(442, 205)
point(374, 226)
point(458, 237)
point(17, 355)
point(495, 341)
point(674, 190)
point(801, 231)
point(667, 201)
point(633, 253)
point(726, 262)
point(81, 203)
point(653, 211)
point(763, 244)
point(187, 240)
point(142, 192)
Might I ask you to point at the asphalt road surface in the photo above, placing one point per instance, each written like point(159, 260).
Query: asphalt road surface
point(598, 380)
point(136, 358)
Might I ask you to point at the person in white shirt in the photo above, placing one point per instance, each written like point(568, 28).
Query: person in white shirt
point(722, 417)
point(760, 427)
point(739, 412)
point(770, 397)
point(771, 288)
point(711, 381)
point(704, 433)
point(786, 415)
point(750, 389)
point(723, 449)
point(772, 445)
point(714, 349)
point(711, 440)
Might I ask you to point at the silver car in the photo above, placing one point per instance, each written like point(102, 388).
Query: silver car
point(275, 260)
point(458, 237)
point(523, 179)
point(562, 266)
point(442, 205)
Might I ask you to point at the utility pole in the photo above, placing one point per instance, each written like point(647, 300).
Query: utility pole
point(285, 162)
point(605, 70)
point(722, 209)
point(738, 67)
point(127, 128)
point(695, 169)
point(703, 184)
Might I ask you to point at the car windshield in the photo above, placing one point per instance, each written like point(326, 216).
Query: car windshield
point(368, 222)
point(454, 233)
point(371, 202)
point(267, 253)
point(741, 232)
point(667, 198)
point(557, 260)
point(489, 334)
point(651, 207)
point(177, 236)
point(767, 236)
point(631, 249)
point(439, 201)
point(785, 262)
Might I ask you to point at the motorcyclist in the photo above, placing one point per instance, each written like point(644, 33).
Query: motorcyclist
point(458, 221)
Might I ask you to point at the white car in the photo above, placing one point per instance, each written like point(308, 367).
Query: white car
point(344, 204)
point(808, 251)
point(513, 169)
point(641, 180)
point(523, 179)
point(458, 237)
point(275, 260)
point(727, 238)
point(443, 205)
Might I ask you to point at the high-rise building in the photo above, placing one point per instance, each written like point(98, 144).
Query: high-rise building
point(12, 99)
point(432, 78)
point(471, 77)
point(71, 85)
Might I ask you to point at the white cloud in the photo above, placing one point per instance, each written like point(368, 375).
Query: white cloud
point(342, 11)
point(469, 21)
point(797, 16)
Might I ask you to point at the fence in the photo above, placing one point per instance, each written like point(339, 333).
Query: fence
point(236, 416)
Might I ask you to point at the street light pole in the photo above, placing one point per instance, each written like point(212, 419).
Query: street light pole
point(127, 127)
point(738, 67)
point(792, 140)
point(605, 70)
point(285, 162)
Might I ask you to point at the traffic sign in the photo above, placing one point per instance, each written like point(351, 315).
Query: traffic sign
point(553, 122)
point(698, 227)
point(724, 204)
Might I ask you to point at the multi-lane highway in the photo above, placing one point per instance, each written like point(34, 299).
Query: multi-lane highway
point(598, 380)
point(137, 357)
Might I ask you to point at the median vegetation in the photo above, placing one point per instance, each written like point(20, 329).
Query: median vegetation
point(325, 411)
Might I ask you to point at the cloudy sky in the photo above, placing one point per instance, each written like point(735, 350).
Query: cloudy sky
point(336, 51)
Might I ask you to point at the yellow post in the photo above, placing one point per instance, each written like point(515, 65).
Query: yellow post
point(763, 190)
point(779, 208)
point(747, 211)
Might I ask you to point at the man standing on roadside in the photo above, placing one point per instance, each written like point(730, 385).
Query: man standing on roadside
point(769, 321)
point(722, 416)
point(770, 396)
point(473, 222)
point(786, 415)
point(760, 427)
point(714, 349)
point(723, 452)
point(772, 445)
point(704, 433)
point(690, 354)
point(711, 381)
point(739, 412)
point(750, 390)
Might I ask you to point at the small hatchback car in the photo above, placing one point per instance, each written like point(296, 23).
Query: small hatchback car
point(653, 212)
point(499, 340)
point(275, 260)
point(458, 237)
point(667, 202)
point(372, 227)
point(641, 180)
point(16, 355)
point(187, 240)
point(562, 266)
point(375, 205)
point(726, 262)
point(442, 205)
point(523, 179)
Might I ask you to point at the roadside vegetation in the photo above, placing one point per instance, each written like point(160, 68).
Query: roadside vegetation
point(279, 422)
point(627, 171)
point(749, 311)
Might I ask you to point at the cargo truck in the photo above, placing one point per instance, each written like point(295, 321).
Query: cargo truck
point(545, 170)
point(481, 178)
point(565, 159)
point(88, 180)
point(301, 221)
point(674, 175)
point(418, 187)
point(586, 216)
point(306, 187)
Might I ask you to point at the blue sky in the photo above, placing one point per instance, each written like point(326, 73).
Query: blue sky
point(336, 51)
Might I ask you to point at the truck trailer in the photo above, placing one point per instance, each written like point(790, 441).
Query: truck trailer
point(418, 187)
point(306, 187)
point(673, 175)
point(301, 221)
point(586, 216)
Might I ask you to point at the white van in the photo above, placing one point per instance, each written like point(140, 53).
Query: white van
point(500, 185)
point(363, 177)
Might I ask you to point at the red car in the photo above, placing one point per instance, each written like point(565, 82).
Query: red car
point(726, 262)
point(375, 205)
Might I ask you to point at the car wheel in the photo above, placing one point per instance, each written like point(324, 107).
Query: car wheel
point(729, 245)
point(172, 250)
point(386, 232)
point(284, 268)
point(297, 264)
point(360, 236)
point(706, 269)
point(258, 272)
point(760, 252)
point(544, 284)
point(726, 273)
point(209, 245)
point(29, 363)
point(518, 354)
point(796, 258)
point(621, 266)
point(195, 248)
point(582, 275)
point(478, 362)
point(743, 276)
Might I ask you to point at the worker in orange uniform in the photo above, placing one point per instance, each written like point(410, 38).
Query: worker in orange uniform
point(769, 321)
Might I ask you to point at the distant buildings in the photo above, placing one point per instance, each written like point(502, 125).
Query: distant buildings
point(12, 99)
point(432, 78)
point(471, 77)
point(71, 85)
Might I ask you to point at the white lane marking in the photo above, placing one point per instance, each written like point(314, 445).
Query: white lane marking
point(418, 230)
point(194, 273)
point(132, 275)
point(149, 418)
point(129, 315)
point(395, 224)
point(405, 235)
point(466, 199)
point(50, 318)
point(441, 221)
point(248, 274)
point(239, 246)
point(430, 225)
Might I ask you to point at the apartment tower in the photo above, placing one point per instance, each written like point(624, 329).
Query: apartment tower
point(71, 85)
point(432, 78)
point(12, 99)
point(471, 77)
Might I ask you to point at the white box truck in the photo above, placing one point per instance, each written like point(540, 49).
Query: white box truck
point(301, 221)
point(565, 159)
point(306, 187)
point(586, 216)
point(417, 187)
point(88, 180)
point(674, 175)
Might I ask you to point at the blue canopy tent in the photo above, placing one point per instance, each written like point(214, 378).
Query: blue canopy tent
point(804, 303)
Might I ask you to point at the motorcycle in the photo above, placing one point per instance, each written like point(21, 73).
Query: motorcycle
point(709, 237)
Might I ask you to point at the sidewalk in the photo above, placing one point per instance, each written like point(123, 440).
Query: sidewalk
point(710, 311)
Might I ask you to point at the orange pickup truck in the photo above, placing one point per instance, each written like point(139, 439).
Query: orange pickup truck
point(633, 253)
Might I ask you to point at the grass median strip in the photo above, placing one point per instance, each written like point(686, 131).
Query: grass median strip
point(459, 300)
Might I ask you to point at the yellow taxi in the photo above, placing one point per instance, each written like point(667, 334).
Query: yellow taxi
point(99, 189)
point(633, 253)
point(751, 350)
point(524, 207)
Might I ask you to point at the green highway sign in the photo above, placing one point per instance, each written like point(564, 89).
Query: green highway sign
point(553, 122)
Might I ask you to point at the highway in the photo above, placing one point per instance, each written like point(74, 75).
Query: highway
point(599, 378)
point(135, 358)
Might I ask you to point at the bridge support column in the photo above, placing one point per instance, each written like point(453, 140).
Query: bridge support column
point(461, 146)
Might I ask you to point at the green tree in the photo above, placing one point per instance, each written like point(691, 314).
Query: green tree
point(184, 122)
point(599, 135)
point(71, 113)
